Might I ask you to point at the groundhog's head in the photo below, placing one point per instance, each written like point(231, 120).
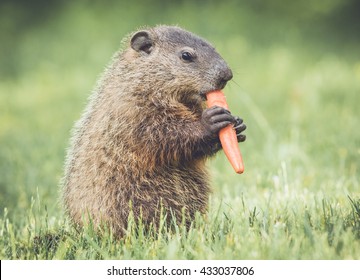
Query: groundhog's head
point(172, 59)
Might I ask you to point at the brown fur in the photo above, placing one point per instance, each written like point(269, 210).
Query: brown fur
point(141, 140)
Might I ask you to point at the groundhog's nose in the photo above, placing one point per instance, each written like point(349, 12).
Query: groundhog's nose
point(224, 76)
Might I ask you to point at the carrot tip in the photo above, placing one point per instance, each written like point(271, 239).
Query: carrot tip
point(239, 170)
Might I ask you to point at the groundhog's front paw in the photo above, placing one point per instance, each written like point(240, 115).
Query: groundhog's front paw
point(239, 127)
point(216, 118)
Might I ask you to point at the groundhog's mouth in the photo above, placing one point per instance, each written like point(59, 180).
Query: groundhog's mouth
point(203, 96)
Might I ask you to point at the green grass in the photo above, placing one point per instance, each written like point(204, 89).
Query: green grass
point(299, 197)
point(321, 230)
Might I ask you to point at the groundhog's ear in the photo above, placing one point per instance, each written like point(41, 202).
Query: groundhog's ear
point(142, 42)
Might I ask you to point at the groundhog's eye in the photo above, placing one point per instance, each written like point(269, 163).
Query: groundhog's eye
point(187, 56)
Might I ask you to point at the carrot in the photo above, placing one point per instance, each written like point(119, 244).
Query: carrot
point(227, 134)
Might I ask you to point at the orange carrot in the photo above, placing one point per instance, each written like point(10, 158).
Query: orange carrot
point(227, 134)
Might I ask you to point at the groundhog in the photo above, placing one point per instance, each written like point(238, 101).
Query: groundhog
point(142, 142)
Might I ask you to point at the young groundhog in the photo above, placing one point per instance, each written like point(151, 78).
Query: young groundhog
point(143, 139)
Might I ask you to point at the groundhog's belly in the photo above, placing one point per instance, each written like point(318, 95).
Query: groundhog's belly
point(175, 187)
point(111, 191)
point(176, 190)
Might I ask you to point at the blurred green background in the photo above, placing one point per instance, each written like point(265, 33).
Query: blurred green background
point(296, 83)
